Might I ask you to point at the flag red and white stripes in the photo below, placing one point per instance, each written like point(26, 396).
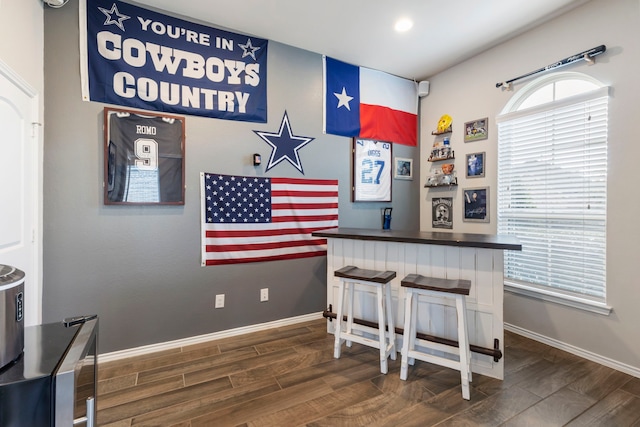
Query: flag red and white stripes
point(249, 219)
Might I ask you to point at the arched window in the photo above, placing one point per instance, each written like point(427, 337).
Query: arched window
point(552, 189)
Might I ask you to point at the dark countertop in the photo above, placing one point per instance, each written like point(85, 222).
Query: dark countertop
point(44, 347)
point(468, 240)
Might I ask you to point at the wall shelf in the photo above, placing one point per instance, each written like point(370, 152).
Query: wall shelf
point(439, 159)
point(448, 130)
point(440, 186)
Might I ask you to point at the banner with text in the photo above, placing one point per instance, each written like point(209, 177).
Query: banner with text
point(139, 58)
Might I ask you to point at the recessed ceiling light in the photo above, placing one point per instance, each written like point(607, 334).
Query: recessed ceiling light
point(403, 24)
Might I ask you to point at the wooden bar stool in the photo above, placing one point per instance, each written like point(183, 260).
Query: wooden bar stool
point(416, 285)
point(380, 281)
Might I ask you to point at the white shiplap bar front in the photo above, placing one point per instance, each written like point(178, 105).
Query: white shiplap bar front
point(478, 258)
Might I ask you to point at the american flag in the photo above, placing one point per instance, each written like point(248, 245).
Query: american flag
point(249, 219)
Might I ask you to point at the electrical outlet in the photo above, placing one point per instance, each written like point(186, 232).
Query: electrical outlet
point(220, 301)
point(264, 294)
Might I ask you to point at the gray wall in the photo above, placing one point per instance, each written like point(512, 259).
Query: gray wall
point(467, 92)
point(138, 268)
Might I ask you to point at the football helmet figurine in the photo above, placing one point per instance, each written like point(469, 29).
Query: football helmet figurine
point(444, 123)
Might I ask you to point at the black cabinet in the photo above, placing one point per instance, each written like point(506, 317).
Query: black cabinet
point(53, 382)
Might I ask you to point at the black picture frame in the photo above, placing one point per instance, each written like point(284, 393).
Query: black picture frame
point(476, 204)
point(442, 212)
point(144, 158)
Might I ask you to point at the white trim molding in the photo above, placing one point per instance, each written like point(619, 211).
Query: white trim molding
point(17, 80)
point(585, 354)
point(152, 348)
point(546, 294)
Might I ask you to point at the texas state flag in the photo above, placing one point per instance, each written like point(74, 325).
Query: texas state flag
point(369, 104)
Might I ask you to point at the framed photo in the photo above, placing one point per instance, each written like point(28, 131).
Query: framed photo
point(143, 158)
point(476, 204)
point(476, 130)
point(475, 165)
point(442, 212)
point(403, 168)
point(371, 171)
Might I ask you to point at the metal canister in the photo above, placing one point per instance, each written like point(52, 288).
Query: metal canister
point(11, 314)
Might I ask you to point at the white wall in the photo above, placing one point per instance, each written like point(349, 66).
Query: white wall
point(21, 32)
point(467, 92)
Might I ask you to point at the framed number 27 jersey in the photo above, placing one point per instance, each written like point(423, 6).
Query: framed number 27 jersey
point(371, 173)
point(144, 158)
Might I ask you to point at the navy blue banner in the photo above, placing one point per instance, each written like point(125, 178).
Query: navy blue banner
point(143, 59)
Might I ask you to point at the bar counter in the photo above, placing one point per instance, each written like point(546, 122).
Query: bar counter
point(475, 257)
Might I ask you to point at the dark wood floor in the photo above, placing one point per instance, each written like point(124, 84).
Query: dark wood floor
point(288, 377)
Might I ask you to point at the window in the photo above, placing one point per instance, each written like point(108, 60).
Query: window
point(552, 189)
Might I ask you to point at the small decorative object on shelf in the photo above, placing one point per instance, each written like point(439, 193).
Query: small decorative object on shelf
point(441, 153)
point(447, 168)
point(442, 180)
point(444, 125)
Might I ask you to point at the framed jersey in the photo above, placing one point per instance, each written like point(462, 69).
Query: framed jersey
point(143, 158)
point(372, 170)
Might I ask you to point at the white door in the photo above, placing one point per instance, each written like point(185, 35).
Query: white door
point(19, 186)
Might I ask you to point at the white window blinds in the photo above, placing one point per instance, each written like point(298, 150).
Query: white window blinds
point(552, 194)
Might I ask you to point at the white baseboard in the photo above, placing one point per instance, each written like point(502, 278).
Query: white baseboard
point(138, 351)
point(614, 364)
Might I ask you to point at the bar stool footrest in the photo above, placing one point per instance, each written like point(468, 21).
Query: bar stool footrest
point(437, 360)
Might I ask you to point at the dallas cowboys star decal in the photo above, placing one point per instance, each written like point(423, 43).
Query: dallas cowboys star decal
point(249, 49)
point(114, 11)
point(285, 145)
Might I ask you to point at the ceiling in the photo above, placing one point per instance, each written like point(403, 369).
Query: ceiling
point(360, 32)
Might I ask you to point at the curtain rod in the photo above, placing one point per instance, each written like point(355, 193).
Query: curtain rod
point(587, 55)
